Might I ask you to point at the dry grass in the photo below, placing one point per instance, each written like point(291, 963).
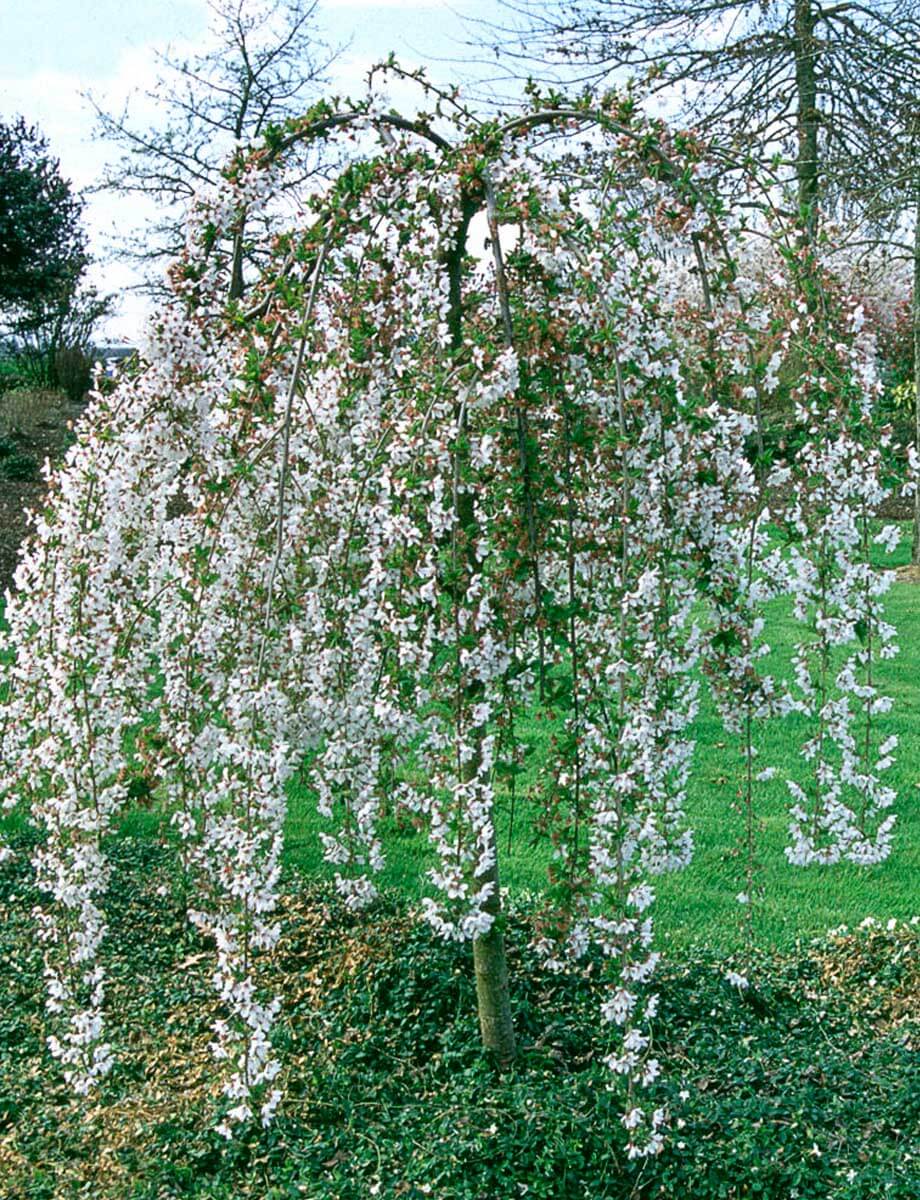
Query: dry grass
point(26, 410)
point(877, 969)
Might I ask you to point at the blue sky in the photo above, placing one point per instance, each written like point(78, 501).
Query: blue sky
point(53, 50)
point(86, 37)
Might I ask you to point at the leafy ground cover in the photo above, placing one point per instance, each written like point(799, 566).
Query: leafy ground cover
point(807, 1086)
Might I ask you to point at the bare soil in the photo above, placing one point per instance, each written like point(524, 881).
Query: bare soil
point(33, 425)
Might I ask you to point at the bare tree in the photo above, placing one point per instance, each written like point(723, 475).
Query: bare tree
point(880, 191)
point(264, 62)
point(887, 196)
point(816, 85)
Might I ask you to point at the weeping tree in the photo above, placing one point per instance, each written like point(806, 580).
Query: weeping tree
point(420, 482)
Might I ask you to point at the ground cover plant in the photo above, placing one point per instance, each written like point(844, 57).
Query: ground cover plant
point(400, 498)
point(807, 1085)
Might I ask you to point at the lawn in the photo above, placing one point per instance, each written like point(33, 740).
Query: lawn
point(698, 905)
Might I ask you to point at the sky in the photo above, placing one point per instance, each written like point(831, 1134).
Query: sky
point(52, 52)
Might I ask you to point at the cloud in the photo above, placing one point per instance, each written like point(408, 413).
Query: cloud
point(334, 6)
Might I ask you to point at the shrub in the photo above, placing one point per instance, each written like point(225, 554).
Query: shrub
point(896, 345)
point(73, 370)
point(11, 373)
point(19, 466)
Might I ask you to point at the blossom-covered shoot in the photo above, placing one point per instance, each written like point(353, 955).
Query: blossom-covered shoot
point(405, 490)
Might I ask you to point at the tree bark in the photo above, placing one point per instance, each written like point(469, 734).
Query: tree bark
point(806, 116)
point(236, 267)
point(915, 313)
point(493, 998)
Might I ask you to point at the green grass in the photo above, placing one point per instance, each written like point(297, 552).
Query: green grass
point(698, 905)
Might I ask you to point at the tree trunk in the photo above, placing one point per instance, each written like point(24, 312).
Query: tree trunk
point(806, 116)
point(490, 964)
point(915, 312)
point(493, 999)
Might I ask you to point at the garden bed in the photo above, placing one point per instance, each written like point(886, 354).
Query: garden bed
point(34, 425)
point(806, 1086)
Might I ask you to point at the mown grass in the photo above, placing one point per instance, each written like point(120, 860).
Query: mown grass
point(698, 905)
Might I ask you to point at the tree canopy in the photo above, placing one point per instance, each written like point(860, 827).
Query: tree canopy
point(42, 246)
